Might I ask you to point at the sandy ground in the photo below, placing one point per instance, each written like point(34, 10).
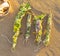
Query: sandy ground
point(30, 49)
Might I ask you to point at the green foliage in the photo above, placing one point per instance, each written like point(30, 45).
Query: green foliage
point(24, 8)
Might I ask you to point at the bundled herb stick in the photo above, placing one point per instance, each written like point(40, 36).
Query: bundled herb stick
point(38, 26)
point(38, 31)
point(48, 30)
point(27, 35)
point(17, 24)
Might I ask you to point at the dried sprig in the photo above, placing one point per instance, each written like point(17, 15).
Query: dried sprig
point(29, 21)
point(38, 26)
point(48, 30)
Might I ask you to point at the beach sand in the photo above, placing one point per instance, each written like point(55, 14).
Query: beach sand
point(30, 49)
